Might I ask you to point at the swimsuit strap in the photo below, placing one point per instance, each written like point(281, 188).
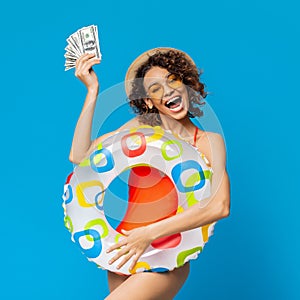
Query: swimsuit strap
point(195, 136)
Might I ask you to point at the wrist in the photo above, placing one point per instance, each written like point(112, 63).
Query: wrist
point(153, 231)
point(93, 90)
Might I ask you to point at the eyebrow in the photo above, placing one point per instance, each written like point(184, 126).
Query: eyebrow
point(153, 83)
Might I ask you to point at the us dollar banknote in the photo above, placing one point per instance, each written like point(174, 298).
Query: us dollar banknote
point(84, 40)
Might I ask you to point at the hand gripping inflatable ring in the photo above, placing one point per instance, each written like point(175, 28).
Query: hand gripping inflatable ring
point(146, 152)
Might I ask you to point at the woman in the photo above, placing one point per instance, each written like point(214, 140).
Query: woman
point(164, 89)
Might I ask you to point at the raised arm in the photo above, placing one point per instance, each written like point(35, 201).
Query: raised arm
point(82, 145)
point(82, 135)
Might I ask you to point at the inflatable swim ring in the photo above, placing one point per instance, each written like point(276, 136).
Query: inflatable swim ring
point(157, 161)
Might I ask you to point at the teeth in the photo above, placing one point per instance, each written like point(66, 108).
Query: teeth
point(172, 100)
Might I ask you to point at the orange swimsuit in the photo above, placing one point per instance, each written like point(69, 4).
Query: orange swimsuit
point(152, 197)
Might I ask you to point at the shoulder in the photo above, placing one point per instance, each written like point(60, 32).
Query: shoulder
point(212, 145)
point(216, 140)
point(212, 139)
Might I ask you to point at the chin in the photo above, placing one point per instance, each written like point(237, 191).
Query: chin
point(181, 115)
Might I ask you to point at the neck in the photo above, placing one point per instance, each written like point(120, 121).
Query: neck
point(183, 128)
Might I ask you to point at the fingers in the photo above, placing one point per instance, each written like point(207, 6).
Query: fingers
point(130, 248)
point(92, 62)
point(125, 259)
point(125, 232)
point(118, 255)
point(85, 63)
point(83, 58)
point(126, 256)
point(116, 246)
point(134, 261)
point(85, 73)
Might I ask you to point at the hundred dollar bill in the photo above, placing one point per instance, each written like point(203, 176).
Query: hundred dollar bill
point(89, 40)
point(73, 46)
point(84, 40)
point(70, 51)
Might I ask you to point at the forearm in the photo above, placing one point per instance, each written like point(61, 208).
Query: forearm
point(193, 217)
point(82, 134)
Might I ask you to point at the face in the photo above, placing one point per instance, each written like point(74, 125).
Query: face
point(166, 92)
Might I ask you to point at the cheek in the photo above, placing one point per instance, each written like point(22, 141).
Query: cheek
point(185, 95)
point(183, 90)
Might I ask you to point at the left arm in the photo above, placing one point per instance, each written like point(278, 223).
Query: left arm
point(217, 206)
point(211, 209)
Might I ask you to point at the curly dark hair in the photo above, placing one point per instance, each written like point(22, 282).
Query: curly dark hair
point(176, 63)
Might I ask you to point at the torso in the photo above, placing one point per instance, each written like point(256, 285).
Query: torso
point(202, 139)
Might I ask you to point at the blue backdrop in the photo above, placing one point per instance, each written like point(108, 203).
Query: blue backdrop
point(249, 51)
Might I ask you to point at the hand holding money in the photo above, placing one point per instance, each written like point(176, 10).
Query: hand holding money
point(84, 40)
point(85, 73)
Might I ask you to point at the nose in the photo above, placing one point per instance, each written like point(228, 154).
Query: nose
point(168, 91)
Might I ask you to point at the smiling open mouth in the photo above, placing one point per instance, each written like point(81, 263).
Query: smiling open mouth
point(174, 104)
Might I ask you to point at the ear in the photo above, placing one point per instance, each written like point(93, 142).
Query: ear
point(149, 103)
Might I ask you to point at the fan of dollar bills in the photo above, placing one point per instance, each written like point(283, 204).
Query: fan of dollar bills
point(84, 40)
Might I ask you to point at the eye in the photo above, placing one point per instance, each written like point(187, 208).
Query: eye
point(174, 81)
point(155, 89)
point(173, 78)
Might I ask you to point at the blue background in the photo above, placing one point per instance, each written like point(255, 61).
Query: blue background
point(249, 51)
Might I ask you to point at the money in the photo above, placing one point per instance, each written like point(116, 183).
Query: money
point(84, 40)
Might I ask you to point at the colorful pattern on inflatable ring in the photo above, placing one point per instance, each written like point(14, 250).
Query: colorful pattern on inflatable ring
point(85, 195)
